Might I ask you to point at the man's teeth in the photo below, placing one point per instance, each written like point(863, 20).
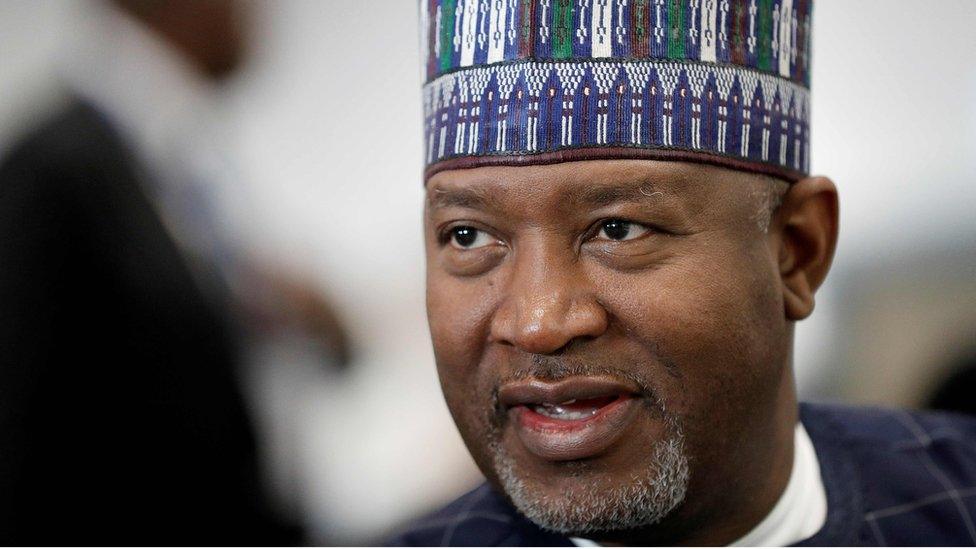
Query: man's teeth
point(558, 411)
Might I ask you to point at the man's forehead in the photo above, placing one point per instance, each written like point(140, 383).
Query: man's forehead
point(584, 184)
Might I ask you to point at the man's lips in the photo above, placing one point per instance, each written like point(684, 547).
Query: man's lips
point(571, 419)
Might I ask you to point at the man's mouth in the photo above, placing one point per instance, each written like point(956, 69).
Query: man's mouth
point(571, 419)
point(573, 409)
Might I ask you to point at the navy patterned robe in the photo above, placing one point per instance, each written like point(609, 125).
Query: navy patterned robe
point(892, 477)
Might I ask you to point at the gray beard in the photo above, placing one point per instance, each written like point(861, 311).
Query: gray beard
point(590, 507)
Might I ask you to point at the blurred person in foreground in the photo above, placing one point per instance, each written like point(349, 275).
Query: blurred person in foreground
point(621, 234)
point(121, 418)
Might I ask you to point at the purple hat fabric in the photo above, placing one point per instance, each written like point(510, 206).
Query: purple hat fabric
point(521, 82)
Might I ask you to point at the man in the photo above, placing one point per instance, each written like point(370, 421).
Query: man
point(121, 419)
point(621, 234)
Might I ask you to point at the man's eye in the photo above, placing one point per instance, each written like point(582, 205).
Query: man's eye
point(618, 229)
point(467, 238)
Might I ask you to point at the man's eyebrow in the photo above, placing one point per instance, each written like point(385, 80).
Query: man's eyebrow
point(596, 197)
point(589, 197)
point(468, 197)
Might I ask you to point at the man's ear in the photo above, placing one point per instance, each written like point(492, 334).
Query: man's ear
point(806, 224)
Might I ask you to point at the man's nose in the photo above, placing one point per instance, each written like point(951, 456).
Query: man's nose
point(549, 303)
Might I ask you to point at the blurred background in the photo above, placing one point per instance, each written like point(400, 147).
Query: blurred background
point(323, 195)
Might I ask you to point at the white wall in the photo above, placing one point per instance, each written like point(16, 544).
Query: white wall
point(894, 125)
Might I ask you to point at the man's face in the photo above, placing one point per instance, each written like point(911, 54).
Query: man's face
point(609, 335)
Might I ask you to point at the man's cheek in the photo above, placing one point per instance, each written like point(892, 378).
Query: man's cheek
point(458, 348)
point(451, 314)
point(670, 309)
point(692, 317)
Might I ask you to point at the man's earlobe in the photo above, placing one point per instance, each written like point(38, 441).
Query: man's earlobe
point(807, 222)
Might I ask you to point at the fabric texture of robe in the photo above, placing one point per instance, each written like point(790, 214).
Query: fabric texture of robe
point(892, 477)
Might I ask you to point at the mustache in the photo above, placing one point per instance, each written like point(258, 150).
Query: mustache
point(558, 368)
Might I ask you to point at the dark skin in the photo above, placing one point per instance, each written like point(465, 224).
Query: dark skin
point(653, 268)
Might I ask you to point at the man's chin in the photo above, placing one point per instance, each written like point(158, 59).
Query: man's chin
point(584, 496)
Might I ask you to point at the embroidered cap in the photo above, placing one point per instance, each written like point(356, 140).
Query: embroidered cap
point(515, 82)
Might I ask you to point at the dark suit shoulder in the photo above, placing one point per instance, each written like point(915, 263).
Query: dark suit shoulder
point(90, 276)
point(73, 133)
point(42, 204)
point(74, 153)
point(66, 188)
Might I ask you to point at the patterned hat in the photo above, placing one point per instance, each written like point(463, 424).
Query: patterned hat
point(516, 82)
